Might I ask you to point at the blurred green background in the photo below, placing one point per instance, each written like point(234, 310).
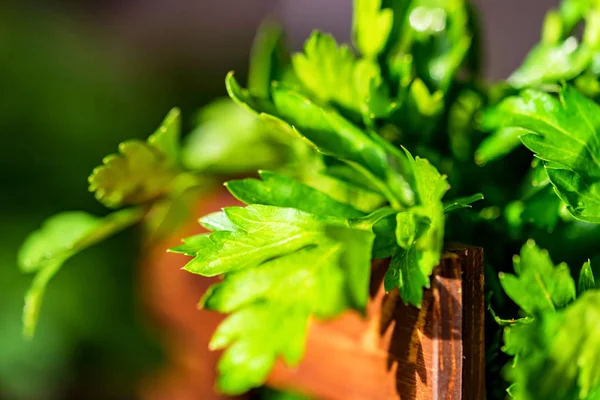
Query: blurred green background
point(76, 78)
point(75, 82)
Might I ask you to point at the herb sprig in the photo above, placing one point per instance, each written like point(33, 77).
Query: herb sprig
point(377, 149)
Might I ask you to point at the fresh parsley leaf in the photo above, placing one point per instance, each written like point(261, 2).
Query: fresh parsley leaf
point(55, 240)
point(258, 238)
point(436, 33)
point(229, 139)
point(586, 279)
point(538, 285)
point(217, 221)
point(385, 243)
point(335, 183)
point(279, 190)
point(561, 57)
point(538, 206)
point(334, 74)
point(514, 332)
point(589, 83)
point(551, 63)
point(142, 171)
point(571, 12)
point(372, 26)
point(61, 237)
point(565, 134)
point(581, 196)
point(559, 357)
point(462, 202)
point(290, 265)
point(334, 135)
point(422, 108)
point(498, 144)
point(254, 338)
point(542, 209)
point(420, 236)
point(247, 100)
point(269, 59)
point(166, 137)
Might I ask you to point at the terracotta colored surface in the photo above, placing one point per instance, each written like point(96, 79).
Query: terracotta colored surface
point(397, 352)
point(171, 294)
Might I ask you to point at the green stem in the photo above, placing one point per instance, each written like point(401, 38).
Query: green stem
point(368, 221)
point(379, 184)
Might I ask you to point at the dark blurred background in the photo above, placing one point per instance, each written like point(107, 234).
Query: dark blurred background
point(76, 78)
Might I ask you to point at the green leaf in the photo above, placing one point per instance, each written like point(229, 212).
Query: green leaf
point(436, 33)
point(371, 27)
point(514, 333)
point(498, 144)
point(34, 297)
point(232, 250)
point(355, 260)
point(56, 240)
point(406, 271)
point(538, 206)
point(243, 97)
point(385, 243)
point(217, 221)
point(279, 190)
point(581, 196)
point(229, 139)
point(538, 285)
point(424, 102)
point(191, 244)
point(256, 336)
point(462, 202)
point(142, 171)
point(542, 209)
point(588, 84)
point(61, 237)
point(565, 134)
point(420, 236)
point(560, 57)
point(586, 279)
point(281, 266)
point(552, 63)
point(360, 196)
point(422, 108)
point(333, 135)
point(333, 74)
point(572, 11)
point(559, 359)
point(166, 137)
point(295, 278)
point(269, 59)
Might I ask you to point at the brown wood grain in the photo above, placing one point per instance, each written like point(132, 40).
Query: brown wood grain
point(399, 351)
point(473, 334)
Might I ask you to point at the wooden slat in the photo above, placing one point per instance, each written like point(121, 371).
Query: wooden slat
point(473, 334)
point(399, 351)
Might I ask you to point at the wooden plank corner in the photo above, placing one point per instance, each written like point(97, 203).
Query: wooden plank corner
point(398, 351)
